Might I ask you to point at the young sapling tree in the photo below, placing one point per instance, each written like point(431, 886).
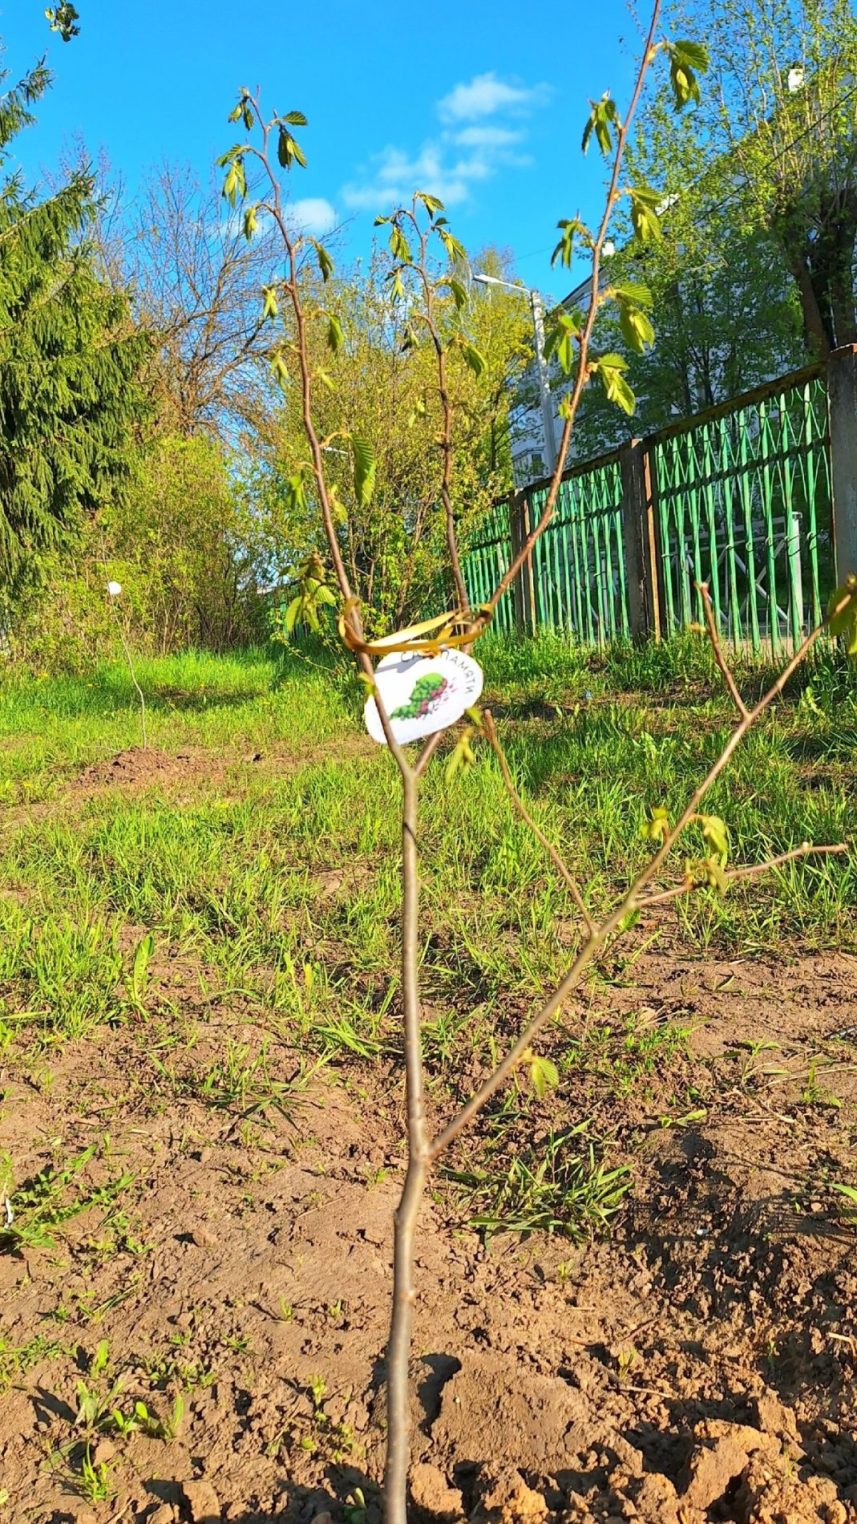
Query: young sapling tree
point(434, 298)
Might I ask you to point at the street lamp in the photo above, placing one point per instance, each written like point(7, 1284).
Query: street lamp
point(538, 314)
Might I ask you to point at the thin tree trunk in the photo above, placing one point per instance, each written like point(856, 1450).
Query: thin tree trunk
point(407, 1212)
point(819, 340)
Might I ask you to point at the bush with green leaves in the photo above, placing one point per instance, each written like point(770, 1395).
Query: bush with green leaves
point(183, 545)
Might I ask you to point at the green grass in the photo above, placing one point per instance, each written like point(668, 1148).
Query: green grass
point(278, 885)
point(51, 727)
point(559, 1184)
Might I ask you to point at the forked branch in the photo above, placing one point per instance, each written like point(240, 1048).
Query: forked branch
point(635, 898)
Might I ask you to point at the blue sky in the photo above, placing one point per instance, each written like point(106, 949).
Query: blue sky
point(482, 104)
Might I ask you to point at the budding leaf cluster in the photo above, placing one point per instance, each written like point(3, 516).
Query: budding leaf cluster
point(313, 594)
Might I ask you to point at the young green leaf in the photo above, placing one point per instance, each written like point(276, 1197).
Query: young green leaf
point(461, 757)
point(636, 326)
point(544, 1076)
point(364, 471)
point(686, 58)
point(399, 246)
point(842, 613)
point(295, 492)
point(325, 263)
point(644, 217)
point(295, 119)
point(601, 118)
point(335, 335)
point(473, 359)
point(279, 368)
point(63, 19)
point(293, 613)
point(633, 291)
point(716, 837)
point(609, 370)
point(431, 203)
point(707, 871)
point(270, 305)
point(250, 222)
point(565, 327)
point(455, 250)
point(456, 289)
point(657, 828)
point(289, 150)
point(564, 251)
point(235, 184)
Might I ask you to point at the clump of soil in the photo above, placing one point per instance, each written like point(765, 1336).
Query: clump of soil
point(137, 767)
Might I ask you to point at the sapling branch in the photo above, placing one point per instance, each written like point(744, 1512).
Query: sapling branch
point(446, 441)
point(719, 657)
point(634, 898)
point(733, 875)
point(520, 560)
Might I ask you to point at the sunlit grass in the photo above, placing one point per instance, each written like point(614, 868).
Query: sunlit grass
point(281, 881)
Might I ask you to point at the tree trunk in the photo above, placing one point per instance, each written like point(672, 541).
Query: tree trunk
point(816, 332)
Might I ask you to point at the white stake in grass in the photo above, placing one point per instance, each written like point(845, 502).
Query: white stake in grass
point(113, 591)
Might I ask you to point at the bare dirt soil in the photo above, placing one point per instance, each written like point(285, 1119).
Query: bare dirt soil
point(696, 1365)
point(217, 1221)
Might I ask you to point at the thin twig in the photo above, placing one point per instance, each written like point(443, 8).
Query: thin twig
point(714, 637)
point(427, 752)
point(494, 742)
point(582, 374)
point(753, 871)
point(446, 441)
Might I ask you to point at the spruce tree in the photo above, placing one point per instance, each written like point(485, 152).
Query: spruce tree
point(70, 359)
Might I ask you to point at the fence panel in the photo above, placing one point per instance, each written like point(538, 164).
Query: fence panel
point(742, 501)
point(486, 559)
point(744, 504)
point(579, 562)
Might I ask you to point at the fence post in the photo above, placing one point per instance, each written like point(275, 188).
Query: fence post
point(842, 409)
point(524, 590)
point(638, 527)
point(515, 542)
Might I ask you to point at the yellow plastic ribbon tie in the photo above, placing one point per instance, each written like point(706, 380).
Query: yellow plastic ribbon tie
point(418, 637)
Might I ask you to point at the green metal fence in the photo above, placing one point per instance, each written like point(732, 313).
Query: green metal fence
point(743, 503)
point(739, 498)
point(488, 558)
point(579, 562)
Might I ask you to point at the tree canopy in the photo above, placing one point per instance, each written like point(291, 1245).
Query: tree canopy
point(756, 185)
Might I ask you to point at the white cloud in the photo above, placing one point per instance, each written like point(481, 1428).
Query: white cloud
point(448, 166)
point(393, 176)
point(487, 137)
point(313, 214)
point(484, 95)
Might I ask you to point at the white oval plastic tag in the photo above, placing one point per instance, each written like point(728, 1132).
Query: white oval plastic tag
point(422, 694)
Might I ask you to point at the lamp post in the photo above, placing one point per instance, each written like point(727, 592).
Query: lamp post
point(538, 314)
